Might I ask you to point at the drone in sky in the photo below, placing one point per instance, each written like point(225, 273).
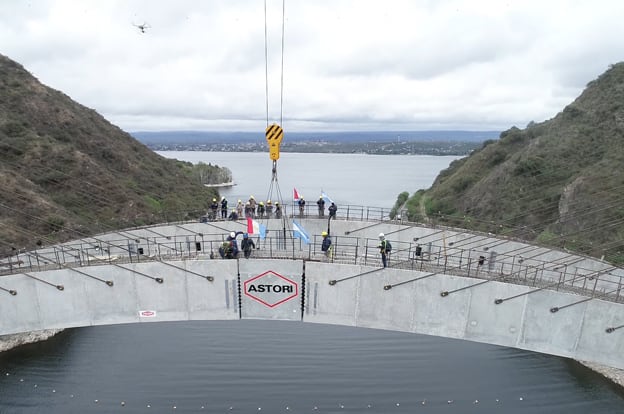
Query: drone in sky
point(142, 27)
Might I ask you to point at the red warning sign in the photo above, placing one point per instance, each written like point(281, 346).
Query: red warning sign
point(271, 289)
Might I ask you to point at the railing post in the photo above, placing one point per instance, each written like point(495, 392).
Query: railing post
point(30, 262)
point(595, 285)
point(37, 257)
point(58, 259)
point(439, 255)
point(461, 259)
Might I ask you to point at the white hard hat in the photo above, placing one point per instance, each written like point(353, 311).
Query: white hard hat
point(381, 235)
point(232, 234)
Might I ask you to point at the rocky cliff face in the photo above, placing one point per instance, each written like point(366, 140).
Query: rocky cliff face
point(11, 341)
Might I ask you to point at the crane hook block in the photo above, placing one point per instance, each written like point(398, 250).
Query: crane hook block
point(274, 136)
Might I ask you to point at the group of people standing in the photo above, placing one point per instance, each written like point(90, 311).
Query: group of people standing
point(251, 208)
point(384, 247)
point(332, 209)
point(229, 248)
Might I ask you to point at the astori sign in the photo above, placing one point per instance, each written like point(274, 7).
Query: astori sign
point(271, 289)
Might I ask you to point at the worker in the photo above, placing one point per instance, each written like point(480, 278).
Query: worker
point(239, 208)
point(384, 248)
point(333, 208)
point(252, 206)
point(326, 245)
point(321, 206)
point(278, 210)
point(224, 208)
point(269, 208)
point(301, 203)
point(214, 207)
point(233, 215)
point(247, 245)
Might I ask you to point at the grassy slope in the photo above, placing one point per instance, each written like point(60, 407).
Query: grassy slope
point(64, 168)
point(557, 182)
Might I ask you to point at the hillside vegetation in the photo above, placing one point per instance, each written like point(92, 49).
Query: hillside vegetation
point(559, 182)
point(65, 171)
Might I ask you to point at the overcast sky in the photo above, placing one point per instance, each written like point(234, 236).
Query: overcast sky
point(348, 65)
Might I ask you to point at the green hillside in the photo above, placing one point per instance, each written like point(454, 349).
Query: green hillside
point(65, 171)
point(559, 182)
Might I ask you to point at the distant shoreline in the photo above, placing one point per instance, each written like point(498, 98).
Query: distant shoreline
point(459, 148)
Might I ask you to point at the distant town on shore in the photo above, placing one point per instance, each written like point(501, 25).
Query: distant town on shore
point(380, 143)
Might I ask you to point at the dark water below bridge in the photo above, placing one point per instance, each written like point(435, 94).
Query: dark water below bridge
point(291, 367)
point(280, 367)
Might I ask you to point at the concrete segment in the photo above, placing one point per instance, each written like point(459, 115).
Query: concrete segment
point(499, 324)
point(356, 300)
point(544, 331)
point(20, 313)
point(271, 289)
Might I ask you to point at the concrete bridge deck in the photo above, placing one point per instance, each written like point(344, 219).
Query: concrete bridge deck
point(440, 282)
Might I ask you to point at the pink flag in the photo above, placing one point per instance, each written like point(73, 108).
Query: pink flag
point(295, 194)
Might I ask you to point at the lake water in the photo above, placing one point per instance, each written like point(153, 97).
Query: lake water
point(291, 367)
point(356, 179)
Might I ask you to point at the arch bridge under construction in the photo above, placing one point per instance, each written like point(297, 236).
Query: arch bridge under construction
point(439, 281)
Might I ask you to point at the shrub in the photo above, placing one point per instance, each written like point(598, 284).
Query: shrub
point(401, 199)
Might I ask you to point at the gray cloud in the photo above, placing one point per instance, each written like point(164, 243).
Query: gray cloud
point(404, 64)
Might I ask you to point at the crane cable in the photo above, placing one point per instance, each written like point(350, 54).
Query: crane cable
point(274, 132)
point(266, 63)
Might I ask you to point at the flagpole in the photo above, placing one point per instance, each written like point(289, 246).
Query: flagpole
point(328, 225)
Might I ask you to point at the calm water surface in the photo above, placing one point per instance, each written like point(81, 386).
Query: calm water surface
point(357, 179)
point(291, 367)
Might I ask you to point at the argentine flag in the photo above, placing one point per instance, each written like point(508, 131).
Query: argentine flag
point(254, 227)
point(300, 233)
point(326, 197)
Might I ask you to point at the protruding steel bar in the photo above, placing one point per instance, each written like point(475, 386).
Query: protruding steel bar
point(589, 276)
point(59, 287)
point(156, 279)
point(613, 328)
point(9, 291)
point(556, 309)
point(334, 281)
point(209, 278)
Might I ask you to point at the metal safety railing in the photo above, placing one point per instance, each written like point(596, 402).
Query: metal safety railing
point(435, 258)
